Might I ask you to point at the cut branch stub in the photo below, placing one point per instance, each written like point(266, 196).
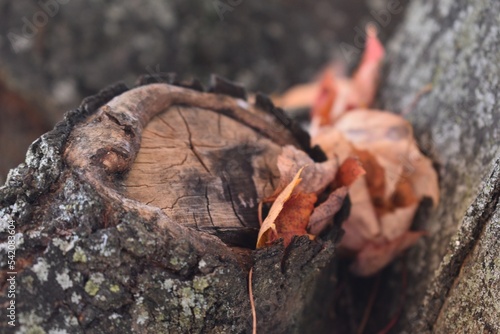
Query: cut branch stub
point(204, 159)
point(121, 209)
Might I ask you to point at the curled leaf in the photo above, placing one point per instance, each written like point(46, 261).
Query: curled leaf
point(366, 77)
point(332, 96)
point(362, 224)
point(323, 213)
point(268, 229)
point(295, 216)
point(293, 211)
point(385, 199)
point(318, 176)
point(375, 256)
point(325, 97)
point(380, 163)
point(349, 171)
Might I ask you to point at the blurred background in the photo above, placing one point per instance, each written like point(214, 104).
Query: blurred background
point(53, 53)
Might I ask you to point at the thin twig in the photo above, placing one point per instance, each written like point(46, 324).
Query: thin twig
point(395, 318)
point(252, 304)
point(369, 306)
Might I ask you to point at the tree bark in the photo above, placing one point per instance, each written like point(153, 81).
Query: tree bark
point(454, 275)
point(96, 254)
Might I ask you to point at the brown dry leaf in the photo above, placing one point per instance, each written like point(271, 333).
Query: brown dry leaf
point(268, 229)
point(294, 217)
point(397, 222)
point(293, 211)
point(365, 79)
point(320, 112)
point(424, 179)
point(398, 176)
point(333, 143)
point(300, 96)
point(363, 223)
point(332, 96)
point(349, 171)
point(317, 178)
point(386, 136)
point(389, 139)
point(403, 196)
point(323, 213)
point(386, 197)
point(375, 175)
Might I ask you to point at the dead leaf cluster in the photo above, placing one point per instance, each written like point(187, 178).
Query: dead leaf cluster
point(295, 208)
point(396, 177)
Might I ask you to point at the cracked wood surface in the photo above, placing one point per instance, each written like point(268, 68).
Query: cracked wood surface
point(203, 169)
point(204, 159)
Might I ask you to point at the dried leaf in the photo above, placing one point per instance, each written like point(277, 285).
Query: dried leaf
point(387, 136)
point(332, 96)
point(397, 177)
point(362, 224)
point(325, 97)
point(300, 96)
point(293, 211)
point(333, 143)
point(349, 171)
point(323, 213)
point(404, 195)
point(375, 256)
point(389, 139)
point(394, 177)
point(317, 177)
point(397, 222)
point(366, 77)
point(424, 179)
point(294, 217)
point(375, 175)
point(339, 95)
point(268, 229)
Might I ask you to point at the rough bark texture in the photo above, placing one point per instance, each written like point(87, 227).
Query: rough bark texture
point(454, 274)
point(91, 259)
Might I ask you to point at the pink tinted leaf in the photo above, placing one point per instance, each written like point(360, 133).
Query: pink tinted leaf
point(375, 256)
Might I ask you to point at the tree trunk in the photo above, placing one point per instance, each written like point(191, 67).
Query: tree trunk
point(454, 275)
point(94, 256)
point(139, 211)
